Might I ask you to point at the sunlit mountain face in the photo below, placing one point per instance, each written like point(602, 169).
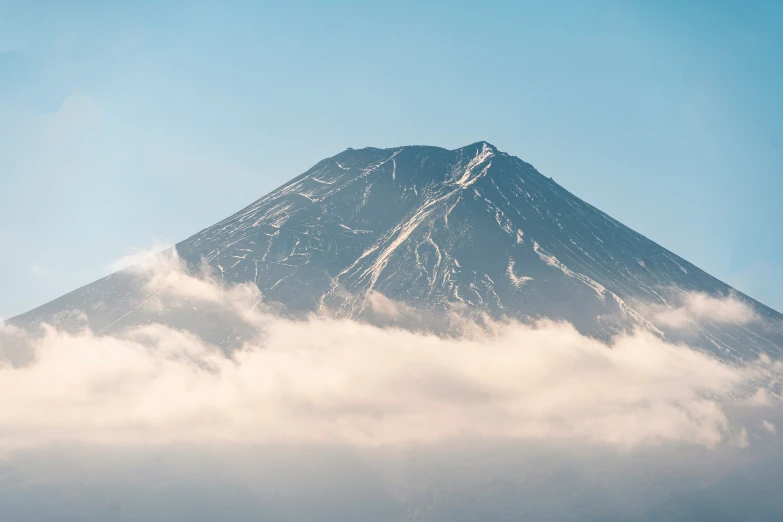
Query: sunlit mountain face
point(412, 235)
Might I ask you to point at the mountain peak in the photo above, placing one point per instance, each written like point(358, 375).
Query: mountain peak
point(436, 230)
point(481, 145)
point(478, 146)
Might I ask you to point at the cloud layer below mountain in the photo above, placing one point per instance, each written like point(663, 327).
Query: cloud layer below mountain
point(324, 380)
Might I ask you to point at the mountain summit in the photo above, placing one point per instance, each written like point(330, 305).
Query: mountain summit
point(435, 230)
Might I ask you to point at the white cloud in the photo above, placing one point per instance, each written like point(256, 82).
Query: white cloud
point(695, 307)
point(381, 304)
point(769, 427)
point(338, 381)
point(141, 257)
point(761, 397)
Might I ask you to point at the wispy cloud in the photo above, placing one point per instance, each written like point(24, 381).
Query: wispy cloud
point(695, 307)
point(139, 256)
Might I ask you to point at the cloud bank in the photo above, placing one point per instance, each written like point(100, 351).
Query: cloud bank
point(324, 380)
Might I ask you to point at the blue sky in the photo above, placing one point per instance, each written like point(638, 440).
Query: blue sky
point(124, 122)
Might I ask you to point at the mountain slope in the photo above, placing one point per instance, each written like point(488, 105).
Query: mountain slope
point(473, 229)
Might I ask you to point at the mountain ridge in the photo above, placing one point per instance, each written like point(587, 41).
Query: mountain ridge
point(433, 228)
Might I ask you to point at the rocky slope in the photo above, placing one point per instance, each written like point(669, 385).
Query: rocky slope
point(421, 232)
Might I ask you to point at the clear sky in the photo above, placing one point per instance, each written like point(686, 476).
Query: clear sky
point(121, 122)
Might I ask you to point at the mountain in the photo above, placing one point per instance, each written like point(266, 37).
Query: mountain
point(472, 230)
